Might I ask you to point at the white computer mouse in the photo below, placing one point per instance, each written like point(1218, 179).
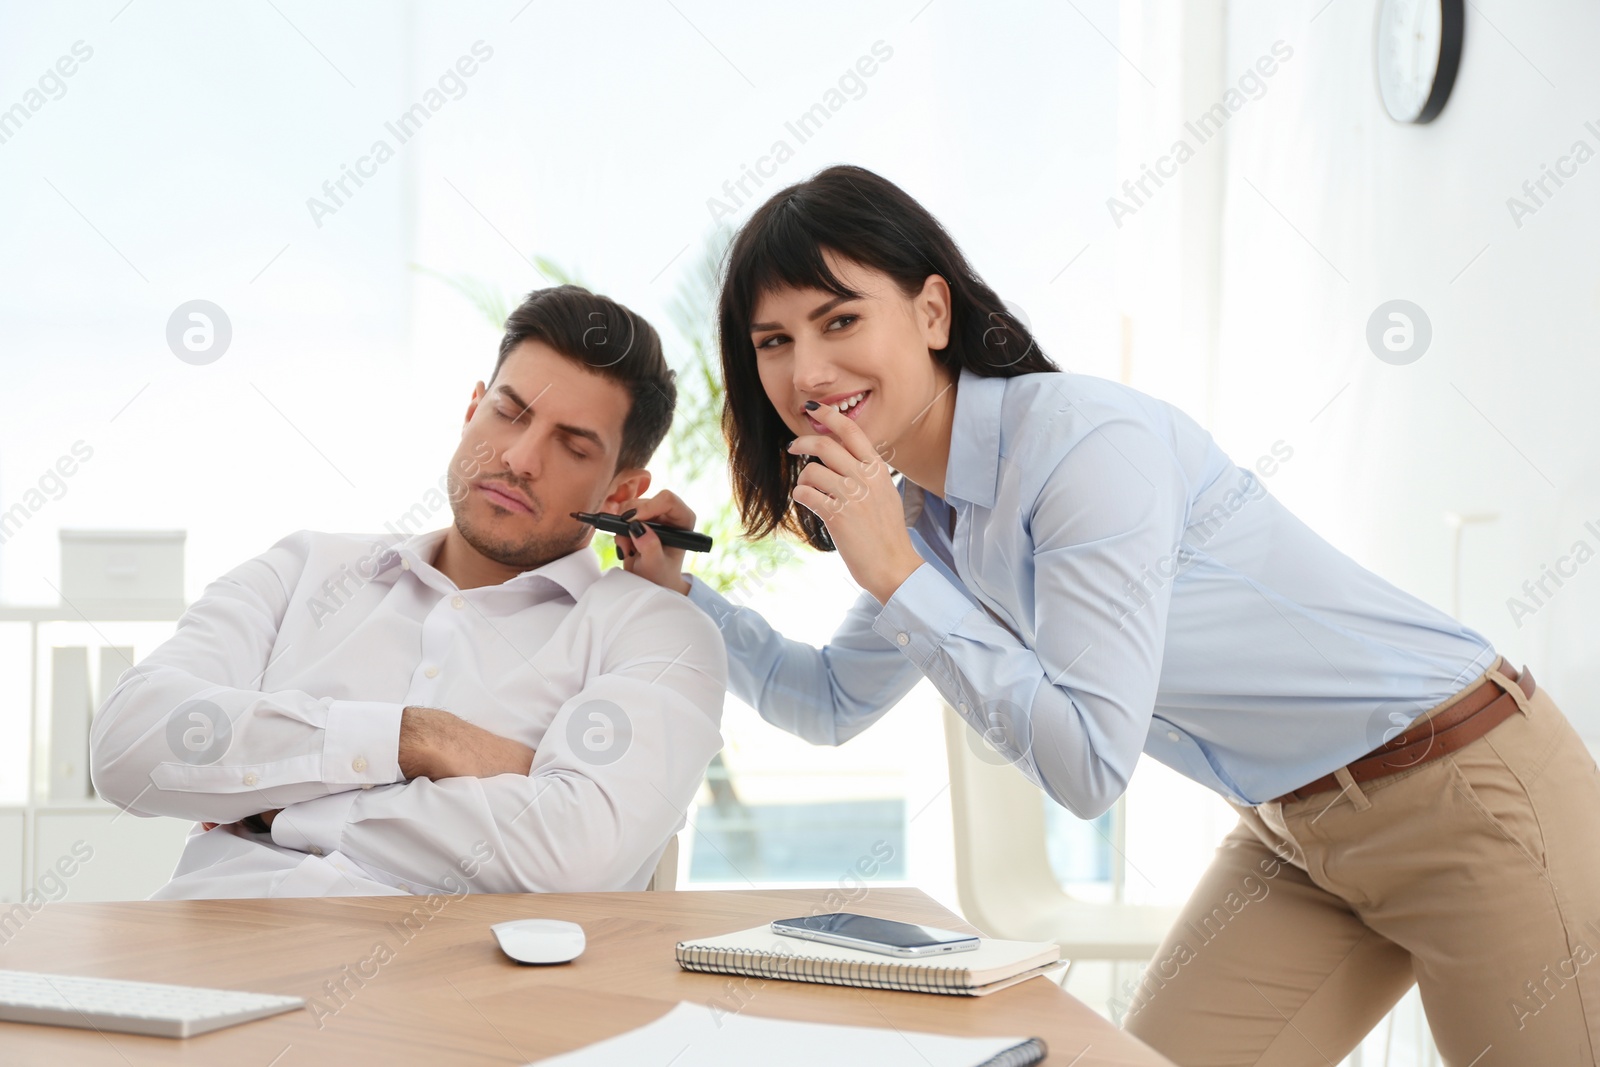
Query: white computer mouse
point(540, 940)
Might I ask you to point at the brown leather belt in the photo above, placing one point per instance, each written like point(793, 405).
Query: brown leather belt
point(1468, 719)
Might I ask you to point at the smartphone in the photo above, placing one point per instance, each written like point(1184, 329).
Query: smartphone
point(875, 935)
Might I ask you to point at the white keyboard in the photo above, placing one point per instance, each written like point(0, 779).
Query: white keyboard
point(130, 1007)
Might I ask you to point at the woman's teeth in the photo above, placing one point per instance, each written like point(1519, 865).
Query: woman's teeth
point(850, 402)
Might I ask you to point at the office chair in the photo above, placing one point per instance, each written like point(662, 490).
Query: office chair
point(665, 880)
point(1003, 876)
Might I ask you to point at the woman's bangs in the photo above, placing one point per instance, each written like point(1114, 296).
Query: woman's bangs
point(784, 254)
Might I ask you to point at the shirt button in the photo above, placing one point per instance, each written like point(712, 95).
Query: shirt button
point(405, 887)
point(405, 564)
point(961, 707)
point(1173, 735)
point(316, 851)
point(358, 764)
point(366, 785)
point(904, 639)
point(250, 779)
point(458, 602)
point(432, 672)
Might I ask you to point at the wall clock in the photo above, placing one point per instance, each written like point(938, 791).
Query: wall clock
point(1418, 51)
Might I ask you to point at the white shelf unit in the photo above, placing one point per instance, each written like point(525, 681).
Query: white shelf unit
point(43, 841)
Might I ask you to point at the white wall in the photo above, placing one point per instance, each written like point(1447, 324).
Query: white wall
point(1498, 415)
point(1231, 311)
point(1325, 209)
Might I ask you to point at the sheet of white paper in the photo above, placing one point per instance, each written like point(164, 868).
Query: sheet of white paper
point(694, 1035)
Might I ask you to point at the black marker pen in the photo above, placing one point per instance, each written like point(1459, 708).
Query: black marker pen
point(671, 536)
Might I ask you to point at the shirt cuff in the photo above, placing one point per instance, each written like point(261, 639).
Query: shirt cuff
point(361, 743)
point(314, 826)
point(924, 611)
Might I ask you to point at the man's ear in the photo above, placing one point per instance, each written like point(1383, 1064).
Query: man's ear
point(629, 484)
point(478, 392)
point(933, 311)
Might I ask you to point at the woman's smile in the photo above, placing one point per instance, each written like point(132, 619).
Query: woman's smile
point(856, 402)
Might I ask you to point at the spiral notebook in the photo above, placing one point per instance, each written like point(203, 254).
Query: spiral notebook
point(759, 953)
point(695, 1035)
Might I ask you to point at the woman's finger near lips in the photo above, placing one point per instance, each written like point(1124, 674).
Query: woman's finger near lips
point(842, 425)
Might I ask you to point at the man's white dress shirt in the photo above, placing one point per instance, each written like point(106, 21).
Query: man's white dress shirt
point(284, 686)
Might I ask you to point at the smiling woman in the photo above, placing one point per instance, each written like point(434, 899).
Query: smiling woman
point(1298, 686)
point(899, 288)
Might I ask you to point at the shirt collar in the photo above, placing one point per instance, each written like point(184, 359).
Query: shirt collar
point(574, 573)
point(974, 465)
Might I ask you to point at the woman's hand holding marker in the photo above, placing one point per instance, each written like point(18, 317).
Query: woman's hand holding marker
point(643, 553)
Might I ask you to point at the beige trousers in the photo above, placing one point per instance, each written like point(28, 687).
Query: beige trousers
point(1475, 875)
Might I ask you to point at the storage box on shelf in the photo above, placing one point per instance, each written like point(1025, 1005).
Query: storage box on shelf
point(63, 842)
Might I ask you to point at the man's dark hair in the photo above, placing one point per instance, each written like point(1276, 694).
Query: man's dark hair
point(611, 341)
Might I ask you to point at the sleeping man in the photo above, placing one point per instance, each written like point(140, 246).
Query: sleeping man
point(473, 709)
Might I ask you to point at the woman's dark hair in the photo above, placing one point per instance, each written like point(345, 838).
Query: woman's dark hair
point(865, 218)
point(602, 336)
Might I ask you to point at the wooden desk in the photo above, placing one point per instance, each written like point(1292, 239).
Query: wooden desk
point(441, 992)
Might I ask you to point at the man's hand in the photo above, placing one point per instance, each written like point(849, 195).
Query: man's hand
point(436, 744)
point(266, 817)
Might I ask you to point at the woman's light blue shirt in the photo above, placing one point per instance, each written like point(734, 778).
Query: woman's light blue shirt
point(1116, 584)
